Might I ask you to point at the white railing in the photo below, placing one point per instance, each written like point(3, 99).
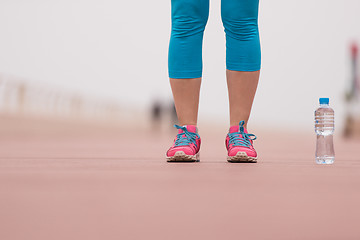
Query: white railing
point(18, 96)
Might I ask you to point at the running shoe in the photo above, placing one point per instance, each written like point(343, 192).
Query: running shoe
point(239, 144)
point(186, 145)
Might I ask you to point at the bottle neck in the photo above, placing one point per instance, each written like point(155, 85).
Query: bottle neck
point(324, 105)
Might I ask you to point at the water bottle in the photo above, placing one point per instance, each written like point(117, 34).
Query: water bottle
point(324, 128)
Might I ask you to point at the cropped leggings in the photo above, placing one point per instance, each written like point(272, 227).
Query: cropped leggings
point(189, 18)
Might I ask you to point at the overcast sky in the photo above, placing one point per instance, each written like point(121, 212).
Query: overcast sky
point(118, 50)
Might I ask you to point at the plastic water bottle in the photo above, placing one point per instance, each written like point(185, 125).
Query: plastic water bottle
point(324, 128)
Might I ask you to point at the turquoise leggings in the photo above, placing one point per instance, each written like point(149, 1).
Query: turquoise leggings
point(189, 18)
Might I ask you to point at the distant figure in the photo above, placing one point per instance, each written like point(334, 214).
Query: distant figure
point(174, 118)
point(352, 123)
point(348, 130)
point(21, 97)
point(354, 87)
point(156, 112)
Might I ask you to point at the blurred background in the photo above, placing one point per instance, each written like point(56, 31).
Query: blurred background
point(107, 60)
point(84, 87)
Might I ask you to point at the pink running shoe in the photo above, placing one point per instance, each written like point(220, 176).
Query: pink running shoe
point(239, 144)
point(186, 145)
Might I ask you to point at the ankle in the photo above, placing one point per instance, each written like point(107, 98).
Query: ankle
point(237, 124)
point(188, 124)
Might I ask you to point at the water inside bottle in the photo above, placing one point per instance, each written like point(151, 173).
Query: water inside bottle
point(324, 121)
point(324, 128)
point(325, 160)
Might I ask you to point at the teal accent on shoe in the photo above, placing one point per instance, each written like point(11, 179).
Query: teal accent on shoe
point(186, 137)
point(245, 141)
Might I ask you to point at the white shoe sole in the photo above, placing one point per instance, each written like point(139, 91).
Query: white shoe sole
point(241, 157)
point(180, 156)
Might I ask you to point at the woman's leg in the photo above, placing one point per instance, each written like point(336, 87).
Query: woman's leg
point(243, 55)
point(186, 97)
point(189, 18)
point(241, 87)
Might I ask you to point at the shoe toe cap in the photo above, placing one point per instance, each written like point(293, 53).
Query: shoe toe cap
point(250, 152)
point(187, 150)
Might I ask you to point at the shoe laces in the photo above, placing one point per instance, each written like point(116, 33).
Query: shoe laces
point(241, 139)
point(186, 137)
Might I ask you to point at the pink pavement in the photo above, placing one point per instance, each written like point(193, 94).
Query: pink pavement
point(73, 181)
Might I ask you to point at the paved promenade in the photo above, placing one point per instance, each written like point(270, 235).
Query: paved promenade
point(78, 181)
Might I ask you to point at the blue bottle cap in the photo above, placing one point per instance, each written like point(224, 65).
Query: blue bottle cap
point(324, 101)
